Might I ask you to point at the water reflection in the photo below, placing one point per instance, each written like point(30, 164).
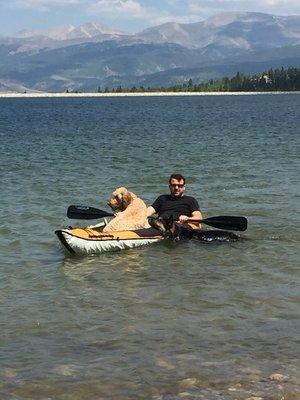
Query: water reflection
point(129, 261)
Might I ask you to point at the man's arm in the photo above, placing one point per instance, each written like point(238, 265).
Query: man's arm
point(154, 208)
point(150, 211)
point(195, 211)
point(197, 215)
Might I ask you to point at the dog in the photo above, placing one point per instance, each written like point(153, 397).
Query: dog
point(164, 225)
point(130, 211)
point(168, 227)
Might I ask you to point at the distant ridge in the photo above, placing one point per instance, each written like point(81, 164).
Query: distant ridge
point(244, 30)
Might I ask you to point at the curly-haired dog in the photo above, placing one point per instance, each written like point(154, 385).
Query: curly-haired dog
point(131, 211)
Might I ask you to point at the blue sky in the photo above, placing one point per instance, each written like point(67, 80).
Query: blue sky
point(125, 15)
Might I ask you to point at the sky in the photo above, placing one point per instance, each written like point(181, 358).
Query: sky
point(125, 15)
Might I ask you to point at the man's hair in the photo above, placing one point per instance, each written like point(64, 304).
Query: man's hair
point(178, 177)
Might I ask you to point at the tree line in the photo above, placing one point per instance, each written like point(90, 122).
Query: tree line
point(271, 80)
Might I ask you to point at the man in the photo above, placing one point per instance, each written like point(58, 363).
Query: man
point(176, 204)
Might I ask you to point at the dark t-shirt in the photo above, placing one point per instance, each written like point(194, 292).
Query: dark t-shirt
point(167, 205)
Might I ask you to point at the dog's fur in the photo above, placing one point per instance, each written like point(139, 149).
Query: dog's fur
point(130, 210)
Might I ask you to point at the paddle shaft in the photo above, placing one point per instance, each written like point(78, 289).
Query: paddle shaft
point(233, 223)
point(85, 212)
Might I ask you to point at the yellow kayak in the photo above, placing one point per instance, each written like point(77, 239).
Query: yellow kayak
point(91, 240)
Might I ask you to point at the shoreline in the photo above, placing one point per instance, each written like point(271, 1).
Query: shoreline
point(137, 94)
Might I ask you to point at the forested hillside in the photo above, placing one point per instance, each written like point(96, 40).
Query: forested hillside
point(271, 80)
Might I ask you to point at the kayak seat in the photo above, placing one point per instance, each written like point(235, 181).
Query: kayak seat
point(147, 232)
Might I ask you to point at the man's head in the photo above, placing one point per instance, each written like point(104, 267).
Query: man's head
point(177, 185)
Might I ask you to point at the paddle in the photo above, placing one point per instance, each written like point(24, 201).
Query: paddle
point(84, 212)
point(231, 223)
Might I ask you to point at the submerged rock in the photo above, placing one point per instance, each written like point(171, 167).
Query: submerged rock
point(9, 373)
point(254, 398)
point(278, 377)
point(187, 383)
point(64, 370)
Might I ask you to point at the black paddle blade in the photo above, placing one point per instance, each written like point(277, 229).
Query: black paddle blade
point(84, 212)
point(231, 223)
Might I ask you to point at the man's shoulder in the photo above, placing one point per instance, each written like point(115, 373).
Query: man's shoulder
point(164, 197)
point(191, 201)
point(188, 198)
point(159, 200)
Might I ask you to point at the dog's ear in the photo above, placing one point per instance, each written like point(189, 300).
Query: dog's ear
point(158, 224)
point(125, 199)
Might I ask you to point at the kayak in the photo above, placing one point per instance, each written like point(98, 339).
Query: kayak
point(92, 240)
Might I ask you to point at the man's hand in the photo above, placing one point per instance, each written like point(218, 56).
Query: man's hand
point(195, 215)
point(183, 218)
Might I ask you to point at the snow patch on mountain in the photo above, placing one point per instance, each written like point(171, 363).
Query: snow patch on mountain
point(69, 32)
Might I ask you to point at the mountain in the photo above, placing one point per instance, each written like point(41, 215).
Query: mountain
point(248, 31)
point(70, 32)
point(91, 55)
point(28, 41)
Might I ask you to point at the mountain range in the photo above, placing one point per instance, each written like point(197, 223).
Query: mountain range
point(92, 55)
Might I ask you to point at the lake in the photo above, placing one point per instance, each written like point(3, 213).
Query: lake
point(174, 320)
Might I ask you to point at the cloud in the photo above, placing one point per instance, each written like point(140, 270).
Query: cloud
point(281, 3)
point(165, 11)
point(210, 7)
point(132, 11)
point(118, 7)
point(153, 12)
point(182, 19)
point(42, 5)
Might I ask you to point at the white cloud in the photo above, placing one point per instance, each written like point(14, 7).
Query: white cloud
point(149, 9)
point(132, 10)
point(145, 13)
point(281, 3)
point(115, 8)
point(119, 8)
point(40, 4)
point(209, 7)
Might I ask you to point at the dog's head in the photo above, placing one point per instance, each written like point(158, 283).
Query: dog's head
point(120, 199)
point(164, 225)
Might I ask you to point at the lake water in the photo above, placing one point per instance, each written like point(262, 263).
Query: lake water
point(182, 320)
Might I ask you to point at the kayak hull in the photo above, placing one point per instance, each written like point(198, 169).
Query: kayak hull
point(92, 240)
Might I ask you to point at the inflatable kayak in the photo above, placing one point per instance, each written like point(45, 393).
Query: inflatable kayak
point(92, 240)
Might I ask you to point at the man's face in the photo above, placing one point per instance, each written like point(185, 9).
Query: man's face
point(177, 188)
